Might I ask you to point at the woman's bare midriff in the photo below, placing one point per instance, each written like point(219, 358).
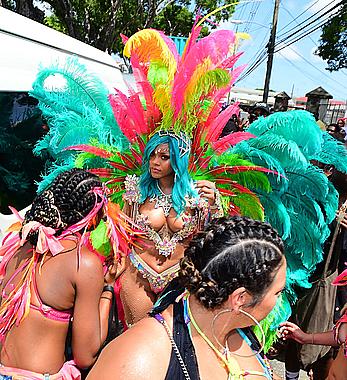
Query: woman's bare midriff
point(149, 254)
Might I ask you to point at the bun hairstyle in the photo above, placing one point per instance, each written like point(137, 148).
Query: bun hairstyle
point(68, 200)
point(231, 253)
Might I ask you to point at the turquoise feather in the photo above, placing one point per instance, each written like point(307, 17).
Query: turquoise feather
point(333, 152)
point(303, 202)
point(76, 113)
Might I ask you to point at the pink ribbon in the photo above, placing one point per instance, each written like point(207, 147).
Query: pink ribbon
point(46, 240)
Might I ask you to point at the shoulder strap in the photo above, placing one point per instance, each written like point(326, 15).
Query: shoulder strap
point(175, 349)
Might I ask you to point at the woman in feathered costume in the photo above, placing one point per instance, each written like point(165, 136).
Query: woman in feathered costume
point(175, 159)
point(179, 99)
point(168, 208)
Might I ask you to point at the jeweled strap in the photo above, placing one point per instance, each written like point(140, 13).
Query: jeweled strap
point(162, 321)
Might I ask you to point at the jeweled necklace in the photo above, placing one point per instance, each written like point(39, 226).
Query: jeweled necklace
point(163, 200)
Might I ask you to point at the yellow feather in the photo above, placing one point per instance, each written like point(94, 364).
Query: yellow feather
point(150, 46)
point(162, 98)
point(201, 69)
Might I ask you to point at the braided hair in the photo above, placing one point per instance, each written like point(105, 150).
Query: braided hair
point(67, 201)
point(231, 253)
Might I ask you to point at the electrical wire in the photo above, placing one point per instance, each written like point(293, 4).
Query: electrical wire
point(285, 26)
point(297, 23)
point(308, 75)
point(302, 27)
point(316, 68)
point(262, 55)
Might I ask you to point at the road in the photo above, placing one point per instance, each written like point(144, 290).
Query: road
point(278, 367)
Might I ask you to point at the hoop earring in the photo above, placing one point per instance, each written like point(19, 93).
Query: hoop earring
point(262, 333)
point(214, 321)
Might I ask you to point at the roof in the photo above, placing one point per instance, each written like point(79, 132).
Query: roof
point(320, 92)
point(283, 95)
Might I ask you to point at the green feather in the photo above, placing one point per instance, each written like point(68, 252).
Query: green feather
point(157, 73)
point(100, 240)
point(269, 325)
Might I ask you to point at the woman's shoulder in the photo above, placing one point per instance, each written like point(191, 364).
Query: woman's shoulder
point(142, 352)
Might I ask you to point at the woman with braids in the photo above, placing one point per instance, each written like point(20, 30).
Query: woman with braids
point(233, 273)
point(48, 278)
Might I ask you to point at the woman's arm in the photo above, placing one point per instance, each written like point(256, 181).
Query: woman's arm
point(91, 310)
point(290, 330)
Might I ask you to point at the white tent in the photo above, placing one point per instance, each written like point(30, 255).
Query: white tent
point(25, 44)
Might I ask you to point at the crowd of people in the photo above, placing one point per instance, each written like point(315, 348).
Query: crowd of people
point(148, 267)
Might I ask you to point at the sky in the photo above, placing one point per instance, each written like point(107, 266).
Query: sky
point(296, 69)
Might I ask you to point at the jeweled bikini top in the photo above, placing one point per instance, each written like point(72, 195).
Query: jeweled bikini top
point(165, 241)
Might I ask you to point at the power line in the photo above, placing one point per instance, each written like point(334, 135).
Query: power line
point(294, 19)
point(296, 36)
point(300, 37)
point(300, 14)
point(307, 75)
point(286, 36)
point(262, 55)
point(315, 67)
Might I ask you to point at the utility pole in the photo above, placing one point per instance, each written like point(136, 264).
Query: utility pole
point(270, 51)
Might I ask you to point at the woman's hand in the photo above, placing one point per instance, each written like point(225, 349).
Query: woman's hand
point(344, 221)
point(111, 274)
point(207, 189)
point(289, 330)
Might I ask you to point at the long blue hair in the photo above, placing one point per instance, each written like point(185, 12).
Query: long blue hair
point(183, 183)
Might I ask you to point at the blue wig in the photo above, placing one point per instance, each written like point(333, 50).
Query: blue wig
point(183, 183)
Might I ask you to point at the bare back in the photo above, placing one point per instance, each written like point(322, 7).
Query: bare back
point(38, 343)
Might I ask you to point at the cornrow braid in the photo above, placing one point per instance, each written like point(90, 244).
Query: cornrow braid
point(231, 253)
point(67, 201)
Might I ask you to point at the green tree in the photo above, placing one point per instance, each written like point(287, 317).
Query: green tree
point(333, 41)
point(25, 8)
point(100, 22)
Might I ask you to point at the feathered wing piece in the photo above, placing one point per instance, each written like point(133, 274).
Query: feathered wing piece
point(183, 94)
point(76, 111)
point(302, 202)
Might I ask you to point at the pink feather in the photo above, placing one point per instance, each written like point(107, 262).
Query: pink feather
point(91, 149)
point(219, 122)
point(124, 38)
point(226, 142)
point(230, 61)
point(129, 114)
point(193, 36)
point(171, 45)
point(216, 47)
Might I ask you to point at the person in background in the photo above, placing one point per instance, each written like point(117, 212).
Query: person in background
point(336, 337)
point(231, 126)
point(336, 131)
point(49, 279)
point(341, 123)
point(259, 109)
point(231, 277)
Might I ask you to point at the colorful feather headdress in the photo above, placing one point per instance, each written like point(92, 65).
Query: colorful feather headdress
point(180, 96)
